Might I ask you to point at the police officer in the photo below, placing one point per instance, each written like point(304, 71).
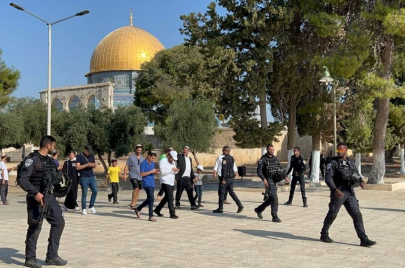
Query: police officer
point(341, 177)
point(298, 164)
point(31, 179)
point(267, 170)
point(228, 173)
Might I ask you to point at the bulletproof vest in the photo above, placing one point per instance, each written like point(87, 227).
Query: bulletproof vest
point(227, 167)
point(271, 165)
point(297, 163)
point(37, 175)
point(344, 172)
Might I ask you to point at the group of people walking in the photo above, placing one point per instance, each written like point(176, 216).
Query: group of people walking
point(341, 177)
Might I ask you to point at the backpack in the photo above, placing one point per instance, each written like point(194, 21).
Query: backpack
point(20, 167)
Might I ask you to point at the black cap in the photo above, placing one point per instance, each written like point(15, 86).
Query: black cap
point(88, 147)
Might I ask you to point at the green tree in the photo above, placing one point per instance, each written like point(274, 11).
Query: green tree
point(180, 72)
point(11, 129)
point(248, 29)
point(248, 134)
point(381, 25)
point(8, 82)
point(191, 123)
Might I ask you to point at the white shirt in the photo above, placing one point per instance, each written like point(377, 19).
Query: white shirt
point(3, 167)
point(166, 172)
point(199, 178)
point(218, 165)
point(187, 172)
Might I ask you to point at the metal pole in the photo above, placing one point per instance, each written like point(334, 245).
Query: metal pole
point(334, 122)
point(48, 132)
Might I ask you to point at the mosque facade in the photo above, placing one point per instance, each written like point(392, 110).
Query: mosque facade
point(114, 67)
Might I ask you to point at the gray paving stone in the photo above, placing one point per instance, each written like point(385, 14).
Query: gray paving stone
point(114, 237)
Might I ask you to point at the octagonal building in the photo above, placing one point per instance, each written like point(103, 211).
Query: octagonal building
point(118, 59)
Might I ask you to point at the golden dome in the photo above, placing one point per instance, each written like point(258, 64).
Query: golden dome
point(124, 49)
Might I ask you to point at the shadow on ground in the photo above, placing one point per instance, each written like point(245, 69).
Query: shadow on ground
point(385, 209)
point(11, 256)
point(281, 235)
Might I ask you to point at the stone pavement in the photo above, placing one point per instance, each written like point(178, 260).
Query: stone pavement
point(114, 237)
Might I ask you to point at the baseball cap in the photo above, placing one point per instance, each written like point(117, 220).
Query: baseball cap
point(200, 167)
point(88, 147)
point(186, 147)
point(174, 155)
point(3, 155)
point(114, 160)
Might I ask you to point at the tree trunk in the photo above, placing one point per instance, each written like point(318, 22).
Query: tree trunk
point(380, 126)
point(402, 171)
point(263, 108)
point(292, 119)
point(316, 157)
point(358, 162)
point(100, 157)
point(386, 46)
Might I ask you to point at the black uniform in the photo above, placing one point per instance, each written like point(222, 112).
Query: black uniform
point(227, 175)
point(31, 180)
point(338, 176)
point(266, 169)
point(298, 164)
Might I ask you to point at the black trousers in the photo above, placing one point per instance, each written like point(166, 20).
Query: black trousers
point(222, 188)
point(226, 192)
point(54, 218)
point(168, 198)
point(185, 183)
point(294, 181)
point(71, 198)
point(350, 202)
point(115, 186)
point(272, 200)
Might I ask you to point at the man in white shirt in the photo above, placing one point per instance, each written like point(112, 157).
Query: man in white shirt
point(167, 169)
point(4, 179)
point(217, 171)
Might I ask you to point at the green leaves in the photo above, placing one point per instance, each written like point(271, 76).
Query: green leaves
point(8, 82)
point(188, 122)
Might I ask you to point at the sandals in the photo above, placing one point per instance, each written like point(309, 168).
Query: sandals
point(152, 219)
point(132, 207)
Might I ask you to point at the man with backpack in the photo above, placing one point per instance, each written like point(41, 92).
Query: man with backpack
point(36, 177)
point(228, 173)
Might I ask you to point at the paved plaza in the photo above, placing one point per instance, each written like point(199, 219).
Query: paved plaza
point(114, 237)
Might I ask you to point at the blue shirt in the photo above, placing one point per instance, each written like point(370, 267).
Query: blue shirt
point(149, 180)
point(83, 160)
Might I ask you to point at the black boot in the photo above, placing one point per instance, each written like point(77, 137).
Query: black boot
point(57, 261)
point(289, 202)
point(325, 238)
point(304, 200)
point(32, 264)
point(367, 243)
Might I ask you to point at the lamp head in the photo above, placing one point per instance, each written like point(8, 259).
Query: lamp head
point(326, 76)
point(16, 6)
point(84, 12)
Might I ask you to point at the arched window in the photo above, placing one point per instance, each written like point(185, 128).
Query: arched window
point(74, 102)
point(58, 104)
point(94, 101)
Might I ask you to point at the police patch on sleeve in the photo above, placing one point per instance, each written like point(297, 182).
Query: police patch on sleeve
point(28, 162)
point(260, 161)
point(329, 166)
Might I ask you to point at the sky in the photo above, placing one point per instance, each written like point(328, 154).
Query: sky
point(24, 39)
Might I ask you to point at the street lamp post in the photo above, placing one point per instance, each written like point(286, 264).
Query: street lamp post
point(328, 79)
point(48, 131)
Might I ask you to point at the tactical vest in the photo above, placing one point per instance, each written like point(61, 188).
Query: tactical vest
point(227, 171)
point(344, 172)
